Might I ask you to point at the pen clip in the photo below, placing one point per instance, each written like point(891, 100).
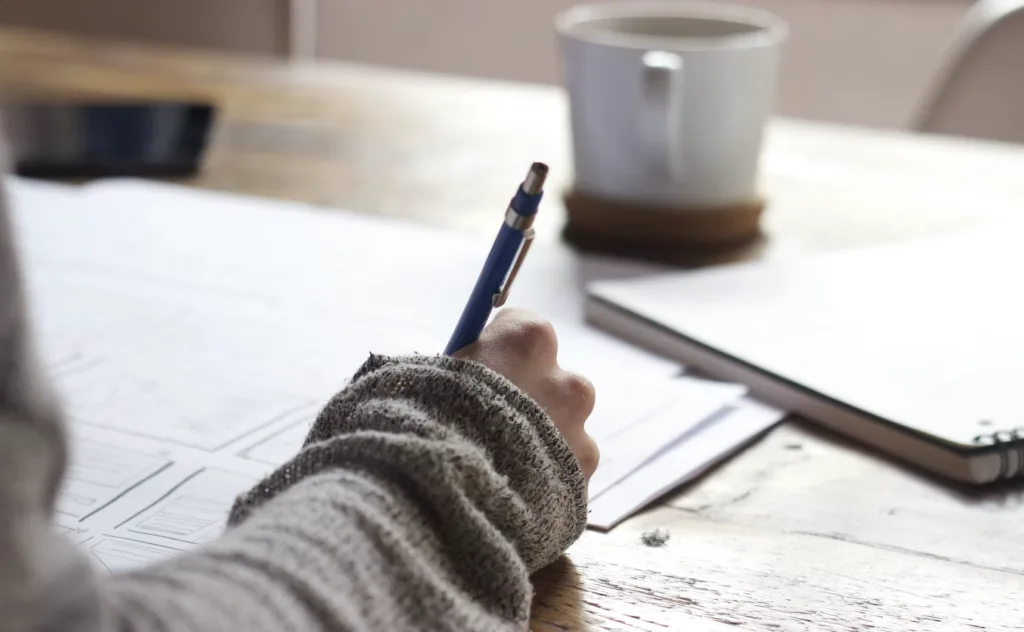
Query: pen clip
point(499, 298)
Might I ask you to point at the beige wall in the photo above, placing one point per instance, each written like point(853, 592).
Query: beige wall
point(856, 61)
point(249, 26)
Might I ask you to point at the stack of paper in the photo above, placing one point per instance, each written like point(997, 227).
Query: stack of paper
point(681, 459)
point(194, 336)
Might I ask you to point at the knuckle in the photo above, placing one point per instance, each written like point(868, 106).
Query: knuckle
point(580, 393)
point(535, 337)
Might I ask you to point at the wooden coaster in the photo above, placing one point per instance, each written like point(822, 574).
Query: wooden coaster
point(664, 234)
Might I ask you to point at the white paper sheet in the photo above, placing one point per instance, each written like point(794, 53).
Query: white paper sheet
point(99, 472)
point(194, 336)
point(165, 516)
point(643, 420)
point(193, 512)
point(682, 461)
point(182, 405)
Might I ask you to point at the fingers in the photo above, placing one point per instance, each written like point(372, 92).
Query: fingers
point(525, 337)
point(576, 395)
point(524, 348)
point(583, 446)
point(588, 455)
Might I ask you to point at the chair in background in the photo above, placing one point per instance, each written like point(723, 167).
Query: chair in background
point(980, 91)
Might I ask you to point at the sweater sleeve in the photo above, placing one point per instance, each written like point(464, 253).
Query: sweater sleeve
point(426, 493)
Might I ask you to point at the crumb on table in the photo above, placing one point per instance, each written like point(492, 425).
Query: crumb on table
point(655, 538)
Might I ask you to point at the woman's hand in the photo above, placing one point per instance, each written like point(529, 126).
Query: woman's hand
point(523, 347)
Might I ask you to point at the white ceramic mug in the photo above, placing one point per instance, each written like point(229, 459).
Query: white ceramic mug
point(669, 100)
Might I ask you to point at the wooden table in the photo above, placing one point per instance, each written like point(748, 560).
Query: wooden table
point(801, 531)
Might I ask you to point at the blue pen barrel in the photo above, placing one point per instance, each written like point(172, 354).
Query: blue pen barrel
point(502, 260)
point(488, 284)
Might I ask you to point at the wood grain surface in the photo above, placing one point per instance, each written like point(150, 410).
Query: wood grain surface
point(802, 531)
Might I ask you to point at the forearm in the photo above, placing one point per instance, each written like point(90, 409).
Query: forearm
point(338, 551)
point(428, 492)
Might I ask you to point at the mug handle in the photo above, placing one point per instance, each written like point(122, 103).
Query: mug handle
point(662, 85)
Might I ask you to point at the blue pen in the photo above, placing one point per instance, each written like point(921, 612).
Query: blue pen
point(503, 261)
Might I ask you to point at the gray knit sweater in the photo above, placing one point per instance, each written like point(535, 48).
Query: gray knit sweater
point(425, 495)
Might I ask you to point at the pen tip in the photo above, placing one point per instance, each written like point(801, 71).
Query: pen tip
point(534, 182)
